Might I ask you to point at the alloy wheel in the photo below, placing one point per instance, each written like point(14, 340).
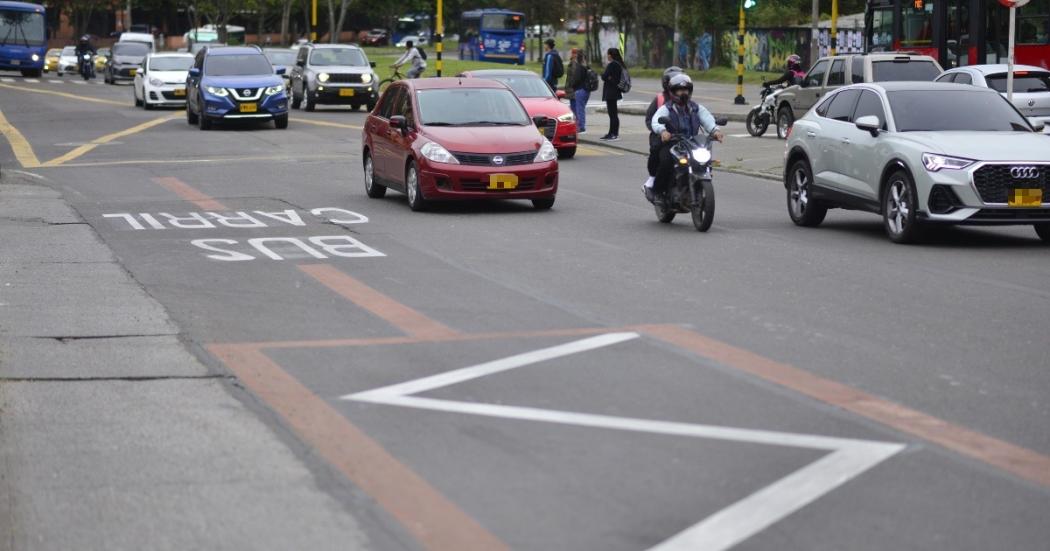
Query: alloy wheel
point(899, 207)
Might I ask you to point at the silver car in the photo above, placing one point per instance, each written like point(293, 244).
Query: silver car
point(1031, 85)
point(919, 153)
point(333, 74)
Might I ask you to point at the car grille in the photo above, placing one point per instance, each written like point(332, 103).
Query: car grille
point(524, 184)
point(125, 72)
point(509, 159)
point(172, 96)
point(994, 182)
point(347, 78)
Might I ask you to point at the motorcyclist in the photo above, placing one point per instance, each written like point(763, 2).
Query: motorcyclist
point(685, 117)
point(654, 138)
point(793, 74)
point(83, 48)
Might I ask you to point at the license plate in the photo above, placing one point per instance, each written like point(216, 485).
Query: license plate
point(16, 62)
point(503, 181)
point(1026, 197)
point(180, 91)
point(132, 72)
point(249, 108)
point(346, 92)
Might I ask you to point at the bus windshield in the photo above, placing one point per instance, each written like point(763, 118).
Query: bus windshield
point(407, 26)
point(21, 28)
point(502, 22)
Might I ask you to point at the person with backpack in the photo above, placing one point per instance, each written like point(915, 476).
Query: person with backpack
point(655, 143)
point(553, 67)
point(576, 87)
point(617, 82)
point(414, 56)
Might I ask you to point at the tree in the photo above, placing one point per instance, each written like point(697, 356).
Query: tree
point(335, 27)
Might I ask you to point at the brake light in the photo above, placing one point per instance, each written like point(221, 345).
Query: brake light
point(1020, 73)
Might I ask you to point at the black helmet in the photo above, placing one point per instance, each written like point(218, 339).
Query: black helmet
point(85, 39)
point(680, 82)
point(668, 73)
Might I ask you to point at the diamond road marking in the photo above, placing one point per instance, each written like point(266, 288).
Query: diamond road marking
point(847, 458)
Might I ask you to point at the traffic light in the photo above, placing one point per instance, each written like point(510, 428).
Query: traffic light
point(748, 4)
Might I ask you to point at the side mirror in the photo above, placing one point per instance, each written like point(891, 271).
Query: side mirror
point(195, 72)
point(722, 121)
point(870, 124)
point(1037, 125)
point(372, 64)
point(399, 122)
point(560, 94)
point(540, 120)
point(280, 70)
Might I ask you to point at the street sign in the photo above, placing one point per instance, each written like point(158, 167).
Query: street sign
point(1013, 3)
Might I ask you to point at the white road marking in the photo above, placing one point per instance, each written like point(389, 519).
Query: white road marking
point(56, 81)
point(720, 531)
point(78, 82)
point(7, 79)
point(740, 135)
point(33, 80)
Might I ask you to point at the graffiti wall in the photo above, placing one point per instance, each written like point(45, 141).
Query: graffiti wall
point(764, 49)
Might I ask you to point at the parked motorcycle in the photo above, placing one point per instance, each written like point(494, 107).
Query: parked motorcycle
point(761, 115)
point(87, 66)
point(692, 190)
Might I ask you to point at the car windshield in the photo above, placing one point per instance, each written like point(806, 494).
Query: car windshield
point(471, 107)
point(946, 110)
point(237, 65)
point(887, 71)
point(1023, 82)
point(69, 50)
point(180, 63)
point(131, 49)
point(281, 57)
point(322, 57)
point(525, 86)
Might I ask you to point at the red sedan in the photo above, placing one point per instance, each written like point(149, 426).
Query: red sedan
point(452, 138)
point(538, 100)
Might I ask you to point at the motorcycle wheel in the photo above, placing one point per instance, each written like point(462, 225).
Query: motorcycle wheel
point(664, 214)
point(756, 124)
point(704, 209)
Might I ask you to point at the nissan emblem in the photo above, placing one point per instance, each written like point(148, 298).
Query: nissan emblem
point(497, 160)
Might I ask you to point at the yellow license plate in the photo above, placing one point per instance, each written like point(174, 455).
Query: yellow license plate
point(346, 92)
point(180, 91)
point(503, 181)
point(1026, 197)
point(249, 108)
point(132, 72)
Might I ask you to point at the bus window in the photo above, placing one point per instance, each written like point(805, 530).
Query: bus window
point(21, 28)
point(882, 30)
point(1033, 21)
point(917, 24)
point(501, 22)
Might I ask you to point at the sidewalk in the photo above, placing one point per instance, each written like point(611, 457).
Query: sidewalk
point(717, 97)
point(112, 435)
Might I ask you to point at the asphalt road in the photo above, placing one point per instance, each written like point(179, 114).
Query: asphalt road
point(632, 385)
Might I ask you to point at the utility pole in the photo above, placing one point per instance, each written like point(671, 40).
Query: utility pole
point(677, 36)
point(834, 27)
point(313, 21)
point(439, 26)
point(814, 41)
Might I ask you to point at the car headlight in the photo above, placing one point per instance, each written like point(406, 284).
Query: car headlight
point(35, 57)
point(156, 82)
point(274, 90)
point(323, 77)
point(934, 162)
point(215, 91)
point(546, 152)
point(366, 78)
point(438, 154)
point(567, 117)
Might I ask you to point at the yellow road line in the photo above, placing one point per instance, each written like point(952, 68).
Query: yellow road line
point(590, 151)
point(65, 95)
point(195, 161)
point(23, 151)
point(106, 139)
point(326, 123)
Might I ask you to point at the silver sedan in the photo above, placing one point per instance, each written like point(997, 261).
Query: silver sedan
point(919, 153)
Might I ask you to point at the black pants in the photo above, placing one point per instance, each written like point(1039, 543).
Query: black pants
point(654, 157)
point(665, 168)
point(614, 117)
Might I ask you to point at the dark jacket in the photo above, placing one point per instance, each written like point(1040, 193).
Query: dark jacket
point(789, 77)
point(611, 79)
point(654, 138)
point(576, 77)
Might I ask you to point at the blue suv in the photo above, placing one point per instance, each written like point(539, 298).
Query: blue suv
point(234, 83)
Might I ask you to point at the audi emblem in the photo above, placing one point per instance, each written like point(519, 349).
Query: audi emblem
point(246, 92)
point(497, 160)
point(1024, 172)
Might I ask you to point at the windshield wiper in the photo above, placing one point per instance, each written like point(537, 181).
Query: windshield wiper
point(489, 123)
point(439, 123)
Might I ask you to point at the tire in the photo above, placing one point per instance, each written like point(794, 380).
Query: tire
point(664, 215)
point(138, 102)
point(899, 208)
point(311, 103)
point(384, 83)
point(191, 117)
point(32, 73)
point(147, 105)
point(785, 118)
point(543, 204)
point(372, 189)
point(704, 213)
point(371, 106)
point(205, 123)
point(801, 209)
point(416, 201)
point(755, 125)
point(567, 153)
point(1043, 231)
point(356, 107)
point(281, 122)
point(297, 100)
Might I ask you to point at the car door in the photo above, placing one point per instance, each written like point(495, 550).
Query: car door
point(379, 129)
point(837, 75)
point(193, 84)
point(401, 142)
point(863, 155)
point(812, 88)
point(836, 138)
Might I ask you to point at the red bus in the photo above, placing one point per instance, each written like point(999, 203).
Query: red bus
point(959, 32)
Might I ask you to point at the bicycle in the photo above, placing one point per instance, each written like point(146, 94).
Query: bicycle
point(392, 79)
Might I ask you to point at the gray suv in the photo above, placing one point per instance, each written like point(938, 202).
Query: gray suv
point(333, 74)
point(830, 73)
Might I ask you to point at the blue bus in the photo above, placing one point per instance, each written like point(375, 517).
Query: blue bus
point(492, 35)
point(23, 38)
point(410, 27)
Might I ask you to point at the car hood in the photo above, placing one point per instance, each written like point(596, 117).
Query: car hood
point(548, 107)
point(985, 146)
point(128, 59)
point(244, 81)
point(340, 69)
point(485, 139)
point(169, 76)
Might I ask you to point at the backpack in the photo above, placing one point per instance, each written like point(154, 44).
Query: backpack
point(625, 80)
point(591, 80)
point(422, 53)
point(557, 67)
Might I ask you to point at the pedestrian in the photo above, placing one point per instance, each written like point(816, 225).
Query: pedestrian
point(576, 88)
point(553, 67)
point(611, 93)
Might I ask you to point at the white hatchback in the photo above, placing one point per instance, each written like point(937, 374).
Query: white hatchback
point(1031, 86)
point(161, 81)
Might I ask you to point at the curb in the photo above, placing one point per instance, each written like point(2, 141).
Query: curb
point(739, 171)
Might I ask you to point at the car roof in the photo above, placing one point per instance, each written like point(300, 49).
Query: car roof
point(445, 83)
point(329, 46)
point(920, 86)
point(233, 50)
point(992, 68)
point(169, 54)
point(500, 73)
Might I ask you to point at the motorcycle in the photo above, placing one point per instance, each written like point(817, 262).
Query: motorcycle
point(691, 190)
point(761, 115)
point(87, 67)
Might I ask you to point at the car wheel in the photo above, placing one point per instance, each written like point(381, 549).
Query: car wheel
point(1043, 230)
point(416, 201)
point(31, 73)
point(311, 101)
point(899, 208)
point(567, 153)
point(371, 106)
point(147, 105)
point(281, 122)
point(356, 107)
point(802, 209)
point(205, 123)
point(297, 100)
point(785, 118)
point(138, 102)
point(374, 190)
point(543, 204)
point(191, 117)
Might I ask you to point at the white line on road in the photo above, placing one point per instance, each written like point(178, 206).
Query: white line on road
point(78, 82)
point(33, 80)
point(720, 531)
point(7, 79)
